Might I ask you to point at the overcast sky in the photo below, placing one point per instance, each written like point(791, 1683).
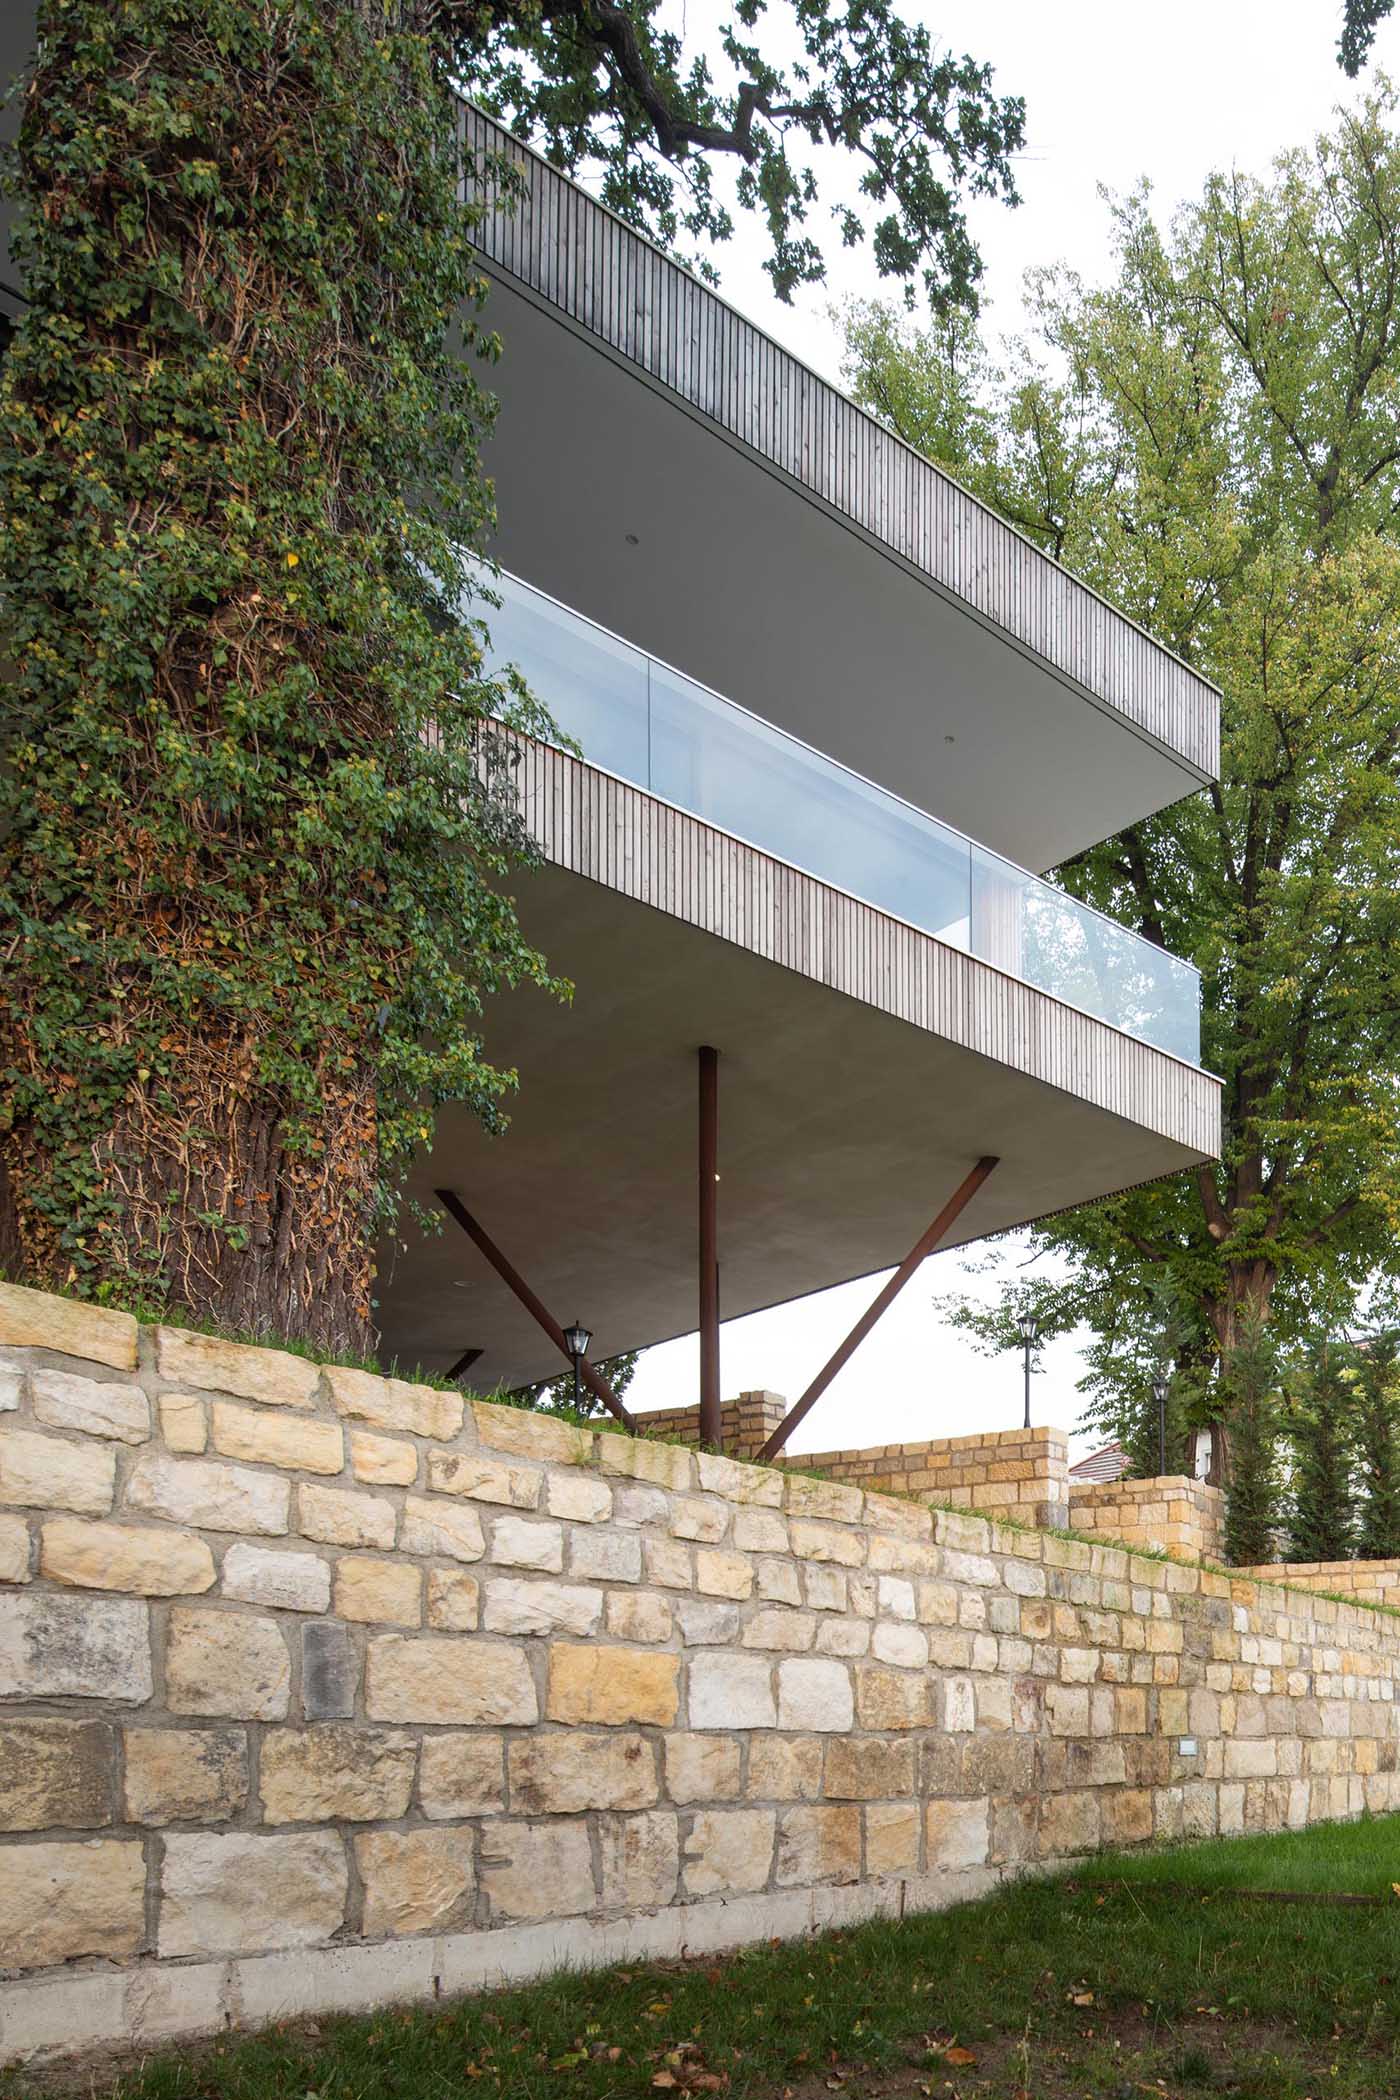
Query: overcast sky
point(1113, 93)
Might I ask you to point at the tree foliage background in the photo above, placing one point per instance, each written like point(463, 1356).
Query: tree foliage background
point(1212, 441)
point(257, 830)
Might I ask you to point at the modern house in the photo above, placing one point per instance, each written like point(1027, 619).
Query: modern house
point(830, 721)
point(832, 718)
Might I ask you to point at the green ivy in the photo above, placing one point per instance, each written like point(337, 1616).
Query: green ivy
point(256, 812)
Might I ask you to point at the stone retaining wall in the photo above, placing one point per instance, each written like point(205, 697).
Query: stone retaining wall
point(321, 1690)
point(1016, 1474)
point(1170, 1513)
point(1368, 1581)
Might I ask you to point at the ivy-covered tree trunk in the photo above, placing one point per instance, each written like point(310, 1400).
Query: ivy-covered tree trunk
point(1252, 1478)
point(253, 817)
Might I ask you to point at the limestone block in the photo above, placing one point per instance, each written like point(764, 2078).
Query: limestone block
point(731, 1691)
point(729, 1851)
point(536, 1870)
point(208, 1495)
point(242, 1894)
point(541, 1607)
point(552, 1775)
point(14, 1549)
point(184, 1422)
point(959, 1706)
point(272, 1376)
point(818, 1844)
point(461, 1775)
point(299, 1442)
point(823, 1542)
point(705, 1625)
point(330, 1671)
point(312, 1775)
point(285, 1581)
point(612, 1685)
point(339, 1517)
point(937, 1604)
point(762, 1485)
point(814, 1694)
point(891, 1837)
point(60, 1901)
point(869, 1768)
point(46, 1472)
point(892, 1699)
point(580, 1499)
point(378, 1592)
point(824, 1498)
point(759, 1531)
point(53, 1646)
point(392, 1403)
point(484, 1479)
point(415, 1880)
point(382, 1461)
point(90, 1406)
point(525, 1542)
point(153, 1562)
point(454, 1600)
point(185, 1775)
point(1067, 1709)
point(56, 1774)
point(785, 1768)
point(777, 1581)
point(723, 1574)
point(526, 1434)
point(39, 1320)
point(849, 1637)
point(957, 1833)
point(1069, 1824)
point(226, 1664)
point(701, 1768)
point(1127, 1816)
point(443, 1679)
point(441, 1529)
point(664, 1465)
point(640, 1858)
point(825, 1588)
point(605, 1556)
point(906, 1647)
point(692, 1517)
point(895, 1597)
point(1249, 1758)
point(793, 1631)
point(635, 1505)
point(667, 1563)
point(639, 1616)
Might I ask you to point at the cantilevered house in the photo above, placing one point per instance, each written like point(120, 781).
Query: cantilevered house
point(833, 717)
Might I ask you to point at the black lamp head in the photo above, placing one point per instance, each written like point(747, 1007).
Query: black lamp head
point(577, 1339)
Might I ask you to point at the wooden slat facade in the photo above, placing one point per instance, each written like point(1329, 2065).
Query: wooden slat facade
point(600, 827)
point(563, 248)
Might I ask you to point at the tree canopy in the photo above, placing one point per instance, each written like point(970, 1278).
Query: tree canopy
point(612, 88)
point(1211, 440)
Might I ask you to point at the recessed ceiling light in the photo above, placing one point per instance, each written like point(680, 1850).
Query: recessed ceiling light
point(949, 739)
point(632, 540)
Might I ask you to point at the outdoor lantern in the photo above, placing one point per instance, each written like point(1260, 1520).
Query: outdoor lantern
point(576, 1341)
point(1160, 1390)
point(1030, 1333)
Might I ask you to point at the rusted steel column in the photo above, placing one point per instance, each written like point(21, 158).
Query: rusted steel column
point(707, 1178)
point(961, 1196)
point(594, 1380)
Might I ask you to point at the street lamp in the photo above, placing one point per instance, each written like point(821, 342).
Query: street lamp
point(1160, 1390)
point(1030, 1335)
point(576, 1341)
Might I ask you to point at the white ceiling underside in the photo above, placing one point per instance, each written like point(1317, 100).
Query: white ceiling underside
point(747, 584)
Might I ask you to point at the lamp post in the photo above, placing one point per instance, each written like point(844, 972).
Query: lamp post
point(1030, 1334)
point(576, 1341)
point(1159, 1393)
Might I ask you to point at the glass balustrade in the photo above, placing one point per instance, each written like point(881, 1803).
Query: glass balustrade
point(655, 727)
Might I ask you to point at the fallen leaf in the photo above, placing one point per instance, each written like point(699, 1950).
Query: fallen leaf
point(666, 2080)
point(957, 2055)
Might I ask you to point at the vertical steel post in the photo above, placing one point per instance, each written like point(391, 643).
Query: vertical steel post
point(707, 1173)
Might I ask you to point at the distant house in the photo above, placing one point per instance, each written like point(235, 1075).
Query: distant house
point(1110, 1463)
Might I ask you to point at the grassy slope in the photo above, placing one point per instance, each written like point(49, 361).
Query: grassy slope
point(1054, 1989)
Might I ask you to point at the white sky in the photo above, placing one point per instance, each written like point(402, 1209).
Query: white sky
point(1113, 93)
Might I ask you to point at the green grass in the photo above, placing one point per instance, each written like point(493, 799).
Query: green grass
point(1050, 1990)
point(1339, 1859)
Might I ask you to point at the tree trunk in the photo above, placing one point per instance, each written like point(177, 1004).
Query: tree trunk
point(233, 1219)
